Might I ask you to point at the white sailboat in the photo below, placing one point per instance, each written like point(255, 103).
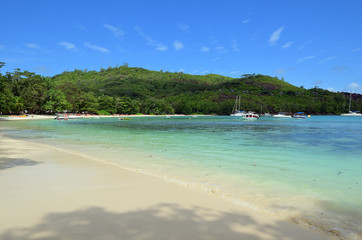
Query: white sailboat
point(245, 115)
point(351, 113)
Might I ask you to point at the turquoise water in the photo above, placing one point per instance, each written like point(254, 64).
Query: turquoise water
point(307, 170)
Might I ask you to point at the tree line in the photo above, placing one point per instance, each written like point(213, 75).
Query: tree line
point(129, 90)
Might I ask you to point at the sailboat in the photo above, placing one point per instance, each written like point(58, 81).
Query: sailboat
point(245, 115)
point(351, 113)
point(236, 109)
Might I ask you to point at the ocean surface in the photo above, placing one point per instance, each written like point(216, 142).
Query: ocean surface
point(308, 170)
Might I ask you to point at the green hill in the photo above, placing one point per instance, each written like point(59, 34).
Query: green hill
point(130, 90)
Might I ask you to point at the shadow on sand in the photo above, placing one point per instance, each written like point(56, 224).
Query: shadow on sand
point(15, 162)
point(160, 222)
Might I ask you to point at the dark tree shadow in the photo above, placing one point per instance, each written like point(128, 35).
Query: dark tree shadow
point(15, 162)
point(161, 222)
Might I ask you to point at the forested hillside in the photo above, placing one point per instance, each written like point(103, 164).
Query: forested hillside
point(129, 90)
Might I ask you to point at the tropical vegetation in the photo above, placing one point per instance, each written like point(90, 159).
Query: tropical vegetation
point(132, 90)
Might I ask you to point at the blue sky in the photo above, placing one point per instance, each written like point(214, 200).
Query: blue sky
point(309, 43)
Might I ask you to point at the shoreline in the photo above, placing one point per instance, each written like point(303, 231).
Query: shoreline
point(87, 116)
point(43, 186)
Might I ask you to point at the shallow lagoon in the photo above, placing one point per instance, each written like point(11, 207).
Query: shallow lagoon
point(306, 170)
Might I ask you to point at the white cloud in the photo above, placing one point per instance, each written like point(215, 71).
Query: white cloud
point(178, 45)
point(67, 45)
point(305, 58)
point(33, 45)
point(205, 49)
point(287, 44)
point(95, 47)
point(327, 59)
point(331, 89)
point(274, 37)
point(355, 87)
point(115, 30)
point(159, 46)
point(246, 21)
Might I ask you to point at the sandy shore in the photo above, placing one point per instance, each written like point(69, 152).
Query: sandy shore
point(47, 193)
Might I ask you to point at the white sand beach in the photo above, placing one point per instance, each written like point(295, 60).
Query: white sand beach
point(47, 193)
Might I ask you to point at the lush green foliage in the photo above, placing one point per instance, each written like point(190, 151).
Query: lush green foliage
point(129, 90)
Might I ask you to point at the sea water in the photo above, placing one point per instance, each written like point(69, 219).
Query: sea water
point(305, 170)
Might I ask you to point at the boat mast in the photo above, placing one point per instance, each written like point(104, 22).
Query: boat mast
point(235, 108)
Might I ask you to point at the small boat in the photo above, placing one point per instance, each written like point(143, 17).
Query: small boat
point(244, 115)
point(351, 113)
point(282, 115)
point(237, 114)
point(299, 115)
point(66, 117)
point(236, 109)
point(250, 116)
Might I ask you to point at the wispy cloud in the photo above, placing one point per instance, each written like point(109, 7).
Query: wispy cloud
point(115, 30)
point(159, 46)
point(357, 49)
point(2, 47)
point(281, 71)
point(80, 27)
point(42, 69)
point(95, 47)
point(246, 21)
point(120, 49)
point(235, 46)
point(67, 45)
point(331, 89)
point(205, 49)
point(221, 49)
point(183, 27)
point(355, 87)
point(288, 44)
point(33, 45)
point(304, 45)
point(178, 45)
point(235, 73)
point(338, 69)
point(218, 46)
point(300, 60)
point(274, 37)
point(327, 59)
